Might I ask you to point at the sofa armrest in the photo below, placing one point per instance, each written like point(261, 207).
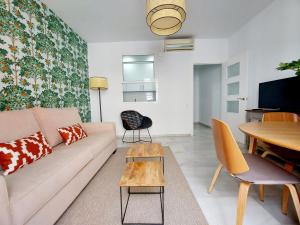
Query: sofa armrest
point(92, 128)
point(5, 217)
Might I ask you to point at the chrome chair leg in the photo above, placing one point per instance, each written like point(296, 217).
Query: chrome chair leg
point(149, 135)
point(123, 136)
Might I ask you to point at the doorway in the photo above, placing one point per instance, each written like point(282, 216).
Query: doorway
point(207, 93)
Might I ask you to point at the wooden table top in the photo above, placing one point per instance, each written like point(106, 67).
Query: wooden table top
point(283, 134)
point(145, 150)
point(143, 174)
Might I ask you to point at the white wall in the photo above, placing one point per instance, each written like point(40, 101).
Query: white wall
point(209, 85)
point(173, 111)
point(273, 36)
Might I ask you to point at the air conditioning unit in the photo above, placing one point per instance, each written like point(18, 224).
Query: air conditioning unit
point(179, 44)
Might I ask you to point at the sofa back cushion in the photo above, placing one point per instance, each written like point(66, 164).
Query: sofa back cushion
point(17, 124)
point(51, 119)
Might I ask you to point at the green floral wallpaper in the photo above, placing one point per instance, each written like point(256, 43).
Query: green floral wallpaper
point(42, 61)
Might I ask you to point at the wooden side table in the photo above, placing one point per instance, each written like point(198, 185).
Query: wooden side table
point(142, 174)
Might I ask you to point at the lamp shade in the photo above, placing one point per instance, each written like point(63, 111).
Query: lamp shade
point(98, 83)
point(166, 32)
point(165, 17)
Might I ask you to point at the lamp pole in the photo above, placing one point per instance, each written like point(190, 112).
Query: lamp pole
point(100, 104)
point(98, 83)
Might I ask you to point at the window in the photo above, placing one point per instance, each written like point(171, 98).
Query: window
point(233, 70)
point(139, 83)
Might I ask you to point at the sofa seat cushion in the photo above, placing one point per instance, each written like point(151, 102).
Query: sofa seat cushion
point(30, 188)
point(98, 142)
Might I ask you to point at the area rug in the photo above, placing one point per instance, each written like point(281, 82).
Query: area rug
point(99, 202)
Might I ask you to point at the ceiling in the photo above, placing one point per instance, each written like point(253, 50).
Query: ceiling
point(124, 20)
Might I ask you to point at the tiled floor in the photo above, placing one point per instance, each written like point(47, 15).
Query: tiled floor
point(196, 156)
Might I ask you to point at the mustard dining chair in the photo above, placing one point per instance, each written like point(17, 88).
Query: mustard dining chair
point(280, 116)
point(289, 156)
point(250, 169)
point(277, 152)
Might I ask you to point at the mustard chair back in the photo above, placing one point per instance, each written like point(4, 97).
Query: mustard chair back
point(228, 152)
point(280, 116)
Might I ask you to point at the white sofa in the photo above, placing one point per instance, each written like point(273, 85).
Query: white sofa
point(40, 192)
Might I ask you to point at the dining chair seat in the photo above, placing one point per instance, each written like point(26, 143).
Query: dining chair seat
point(264, 172)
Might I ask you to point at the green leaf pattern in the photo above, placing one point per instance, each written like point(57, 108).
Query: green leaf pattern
point(43, 62)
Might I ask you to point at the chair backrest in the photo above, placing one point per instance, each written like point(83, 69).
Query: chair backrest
point(280, 116)
point(228, 151)
point(131, 119)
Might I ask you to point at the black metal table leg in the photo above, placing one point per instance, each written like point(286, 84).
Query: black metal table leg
point(162, 204)
point(162, 159)
point(121, 201)
point(163, 197)
point(121, 205)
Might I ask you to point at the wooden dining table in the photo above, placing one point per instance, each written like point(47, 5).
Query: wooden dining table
point(283, 134)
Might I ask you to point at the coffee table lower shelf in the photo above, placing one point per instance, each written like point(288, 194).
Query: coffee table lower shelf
point(162, 204)
point(143, 175)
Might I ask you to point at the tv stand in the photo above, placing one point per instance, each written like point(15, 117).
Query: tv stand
point(257, 114)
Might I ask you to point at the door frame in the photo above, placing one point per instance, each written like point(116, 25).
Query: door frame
point(221, 94)
point(241, 57)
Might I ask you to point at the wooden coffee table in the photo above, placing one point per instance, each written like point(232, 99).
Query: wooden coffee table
point(146, 151)
point(142, 174)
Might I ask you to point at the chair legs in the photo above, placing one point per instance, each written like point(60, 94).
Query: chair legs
point(133, 141)
point(290, 189)
point(242, 201)
point(215, 177)
point(261, 186)
point(149, 135)
point(261, 192)
point(139, 137)
point(285, 200)
point(123, 136)
point(141, 140)
point(267, 152)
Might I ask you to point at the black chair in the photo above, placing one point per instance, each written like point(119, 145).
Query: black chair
point(132, 120)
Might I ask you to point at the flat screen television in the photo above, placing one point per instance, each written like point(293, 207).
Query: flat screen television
point(281, 94)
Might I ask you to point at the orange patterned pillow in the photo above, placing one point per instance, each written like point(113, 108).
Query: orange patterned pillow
point(16, 154)
point(72, 133)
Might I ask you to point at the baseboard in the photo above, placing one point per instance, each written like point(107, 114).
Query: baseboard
point(205, 125)
point(158, 136)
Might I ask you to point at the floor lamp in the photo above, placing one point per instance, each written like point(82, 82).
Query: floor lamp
point(99, 83)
